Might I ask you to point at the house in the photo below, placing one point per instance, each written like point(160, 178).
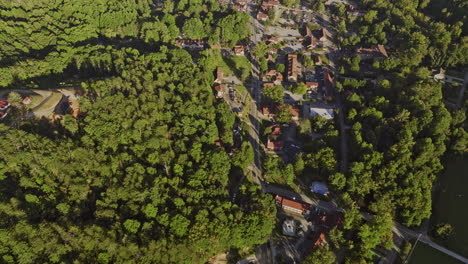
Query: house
point(272, 50)
point(274, 145)
point(239, 50)
point(27, 100)
point(374, 52)
point(319, 187)
point(328, 83)
point(240, 8)
point(278, 78)
point(326, 113)
point(219, 90)
point(267, 4)
point(268, 84)
point(4, 104)
point(318, 60)
point(270, 58)
point(295, 113)
point(268, 111)
point(271, 40)
point(218, 142)
point(262, 16)
point(323, 35)
point(275, 129)
point(289, 227)
point(312, 86)
point(219, 75)
point(292, 206)
point(311, 42)
point(308, 31)
point(292, 67)
point(270, 73)
point(320, 240)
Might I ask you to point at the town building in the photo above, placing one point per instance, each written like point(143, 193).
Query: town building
point(264, 8)
point(292, 67)
point(240, 8)
point(219, 75)
point(268, 111)
point(239, 50)
point(319, 240)
point(311, 86)
point(275, 129)
point(219, 89)
point(311, 42)
point(323, 35)
point(276, 145)
point(27, 100)
point(4, 104)
point(328, 84)
point(295, 113)
point(326, 113)
point(262, 16)
point(271, 40)
point(374, 52)
point(292, 206)
point(268, 84)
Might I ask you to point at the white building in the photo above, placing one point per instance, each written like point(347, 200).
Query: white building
point(326, 113)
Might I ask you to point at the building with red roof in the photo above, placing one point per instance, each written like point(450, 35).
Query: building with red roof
point(328, 83)
point(292, 206)
point(295, 113)
point(292, 67)
point(275, 129)
point(239, 50)
point(219, 75)
point(320, 240)
point(219, 89)
point(276, 145)
point(4, 104)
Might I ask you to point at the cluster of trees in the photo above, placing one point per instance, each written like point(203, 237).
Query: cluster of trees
point(400, 127)
point(47, 40)
point(138, 177)
point(410, 27)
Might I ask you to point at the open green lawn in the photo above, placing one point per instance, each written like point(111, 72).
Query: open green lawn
point(240, 65)
point(35, 100)
point(48, 104)
point(450, 204)
point(424, 254)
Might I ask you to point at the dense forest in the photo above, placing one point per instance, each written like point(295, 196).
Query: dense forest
point(137, 178)
point(400, 128)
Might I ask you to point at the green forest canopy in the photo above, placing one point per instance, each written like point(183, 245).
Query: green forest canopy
point(138, 178)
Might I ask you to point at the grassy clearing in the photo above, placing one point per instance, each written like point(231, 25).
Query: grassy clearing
point(49, 104)
point(450, 204)
point(35, 101)
point(424, 254)
point(240, 65)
